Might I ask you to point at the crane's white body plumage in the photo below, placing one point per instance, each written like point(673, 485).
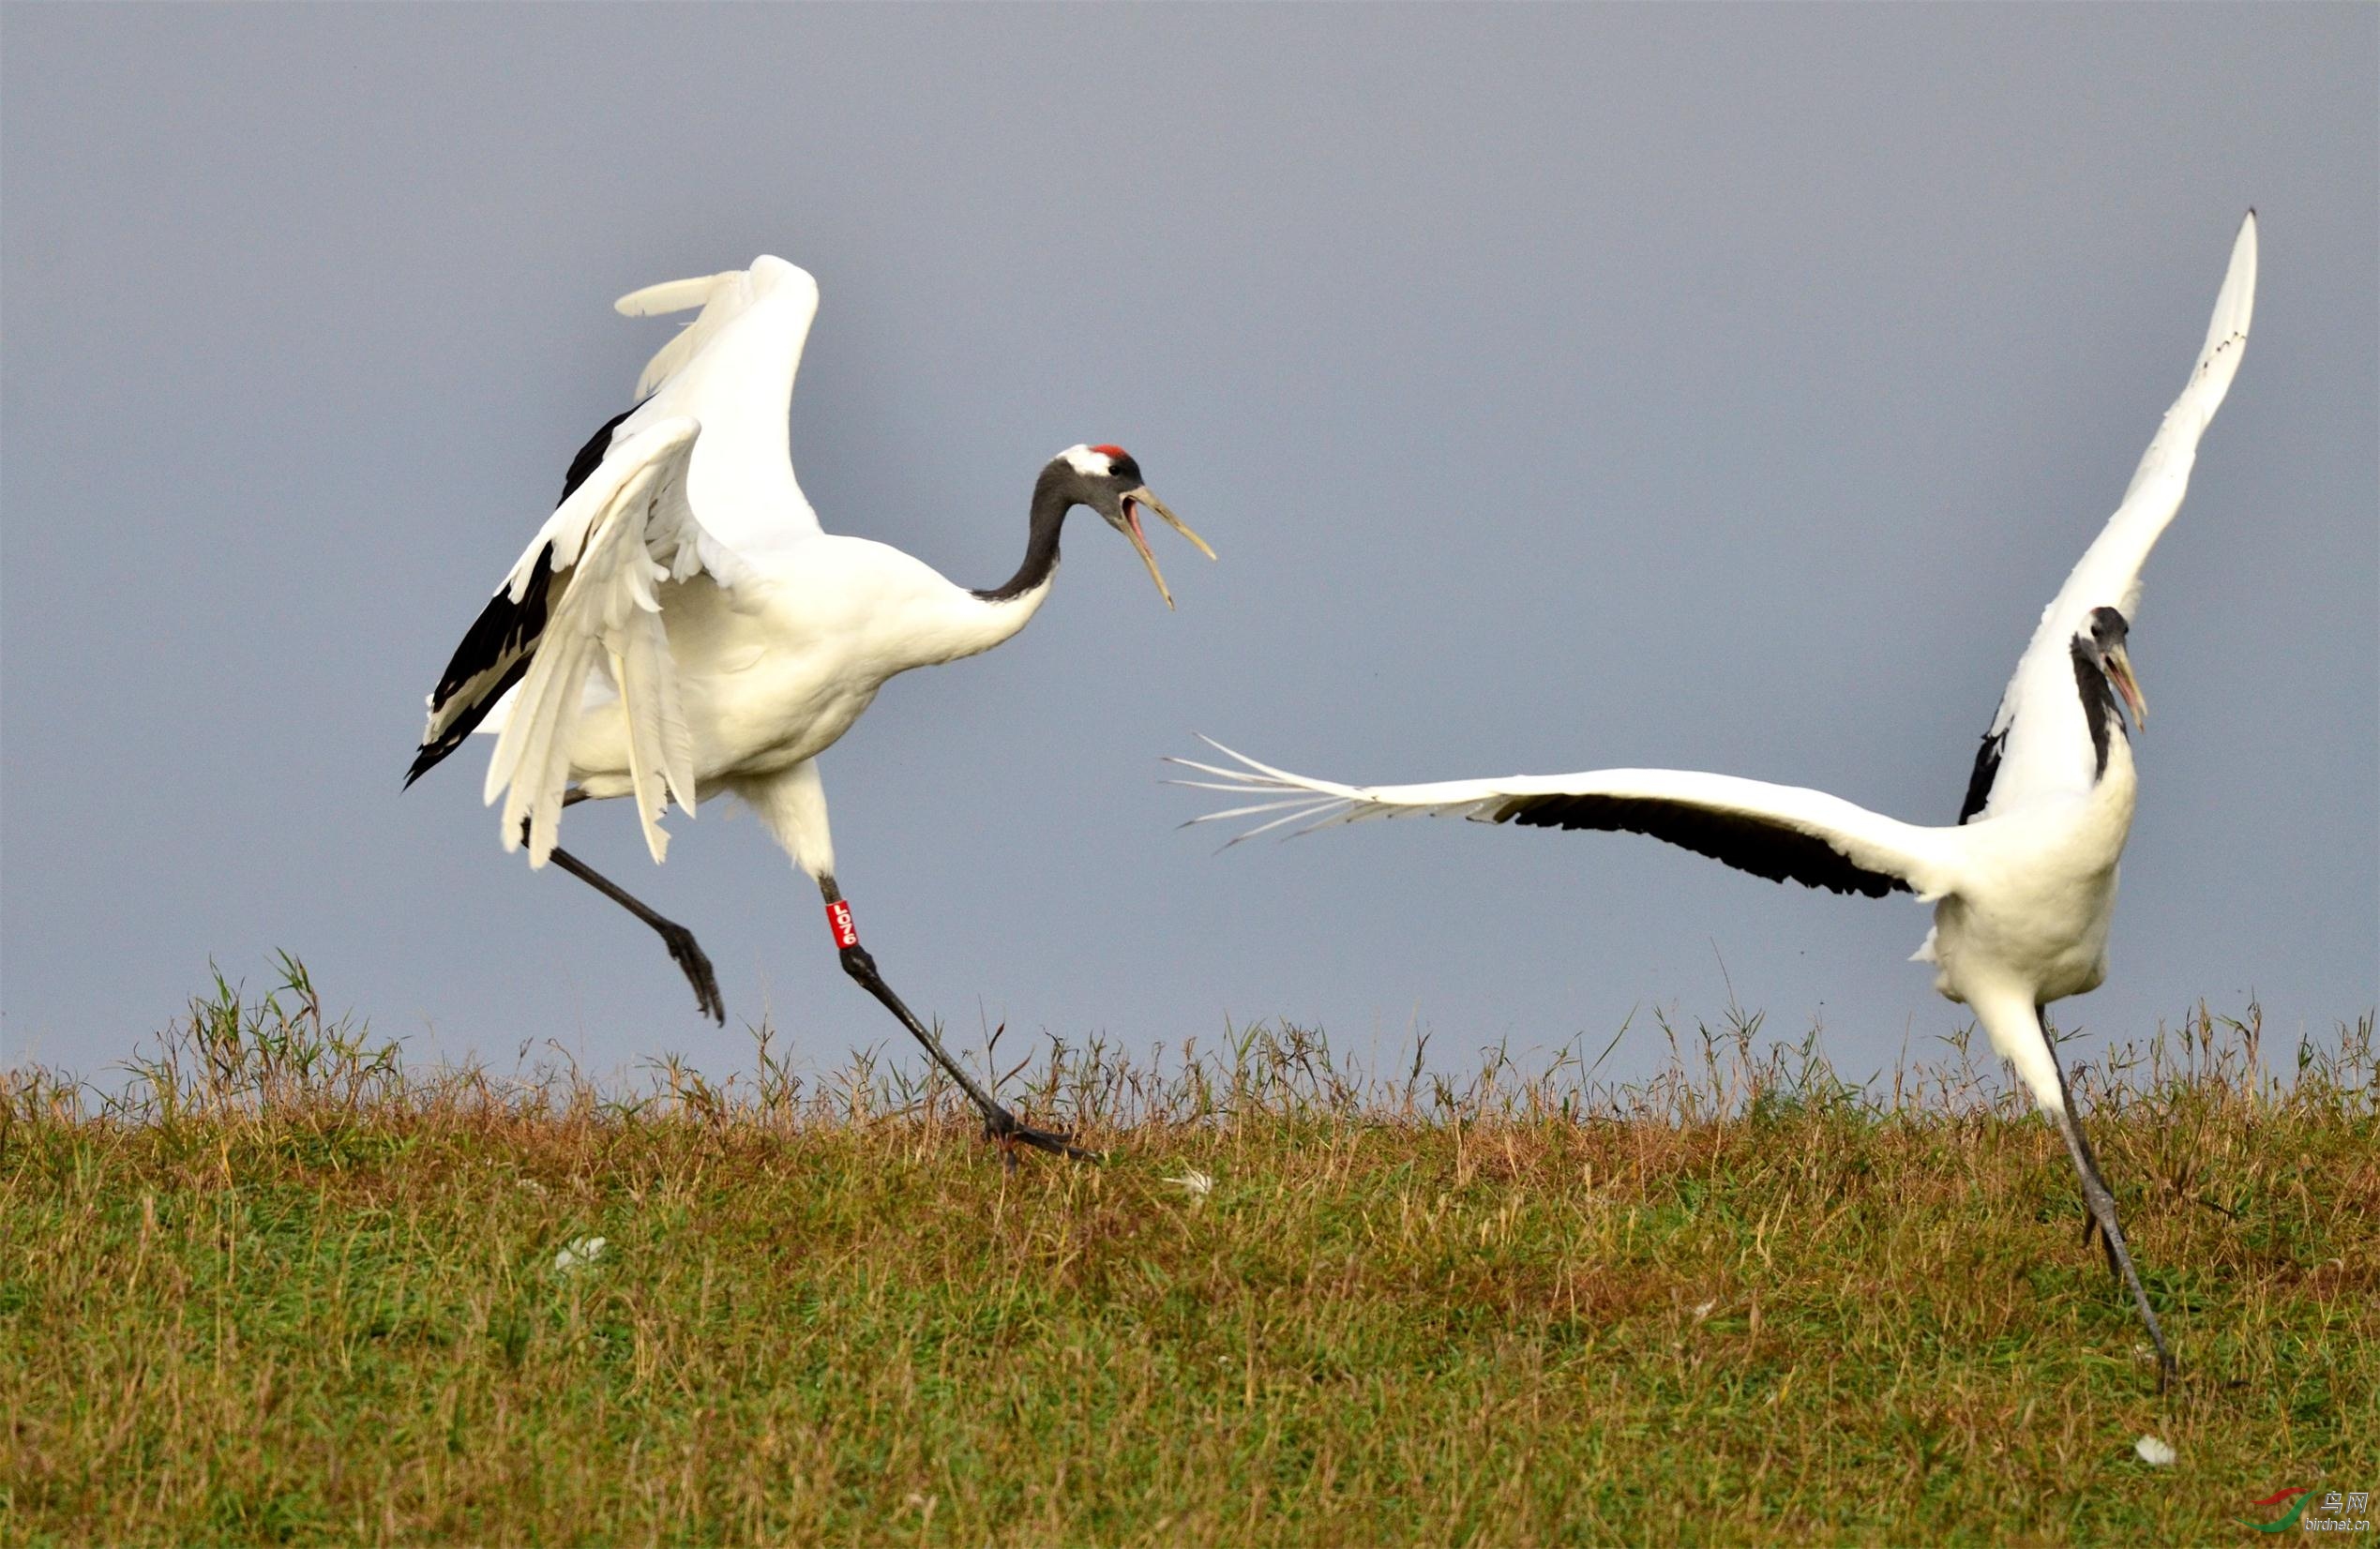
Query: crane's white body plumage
point(2024, 892)
point(701, 633)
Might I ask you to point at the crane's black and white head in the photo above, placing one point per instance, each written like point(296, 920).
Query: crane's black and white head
point(1106, 479)
point(2099, 647)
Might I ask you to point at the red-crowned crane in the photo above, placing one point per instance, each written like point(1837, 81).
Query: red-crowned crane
point(2023, 886)
point(680, 628)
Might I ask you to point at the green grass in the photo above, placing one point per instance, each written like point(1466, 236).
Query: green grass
point(286, 1290)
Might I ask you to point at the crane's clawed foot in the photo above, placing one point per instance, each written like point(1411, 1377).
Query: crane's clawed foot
point(696, 965)
point(680, 941)
point(999, 1124)
point(1005, 1127)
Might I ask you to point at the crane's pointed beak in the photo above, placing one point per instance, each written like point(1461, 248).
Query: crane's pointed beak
point(2119, 673)
point(1143, 496)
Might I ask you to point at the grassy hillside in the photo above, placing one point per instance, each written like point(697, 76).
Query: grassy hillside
point(288, 1290)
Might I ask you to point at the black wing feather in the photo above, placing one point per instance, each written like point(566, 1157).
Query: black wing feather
point(1988, 769)
point(1748, 843)
point(590, 456)
point(507, 631)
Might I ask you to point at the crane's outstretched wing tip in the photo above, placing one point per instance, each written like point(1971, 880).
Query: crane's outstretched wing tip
point(1271, 771)
point(669, 295)
point(1267, 827)
point(1235, 754)
point(1251, 774)
point(2235, 305)
point(1303, 803)
point(1298, 797)
point(1238, 780)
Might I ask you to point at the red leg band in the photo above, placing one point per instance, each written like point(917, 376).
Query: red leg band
point(838, 920)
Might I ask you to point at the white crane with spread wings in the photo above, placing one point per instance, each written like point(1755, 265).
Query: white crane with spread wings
point(681, 629)
point(2023, 886)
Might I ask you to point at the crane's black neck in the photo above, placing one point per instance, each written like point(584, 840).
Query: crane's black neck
point(1052, 499)
point(2100, 710)
point(2090, 650)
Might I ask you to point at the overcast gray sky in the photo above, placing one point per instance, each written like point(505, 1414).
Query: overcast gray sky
point(1561, 387)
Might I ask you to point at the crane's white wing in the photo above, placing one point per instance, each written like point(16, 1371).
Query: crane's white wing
point(582, 595)
point(733, 370)
point(1782, 833)
point(2038, 742)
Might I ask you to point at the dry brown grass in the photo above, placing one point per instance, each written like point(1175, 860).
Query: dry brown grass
point(286, 1290)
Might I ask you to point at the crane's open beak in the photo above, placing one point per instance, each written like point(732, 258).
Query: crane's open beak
point(1138, 498)
point(2119, 673)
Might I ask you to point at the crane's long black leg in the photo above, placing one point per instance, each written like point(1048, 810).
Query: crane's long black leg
point(2100, 1204)
point(999, 1123)
point(689, 958)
